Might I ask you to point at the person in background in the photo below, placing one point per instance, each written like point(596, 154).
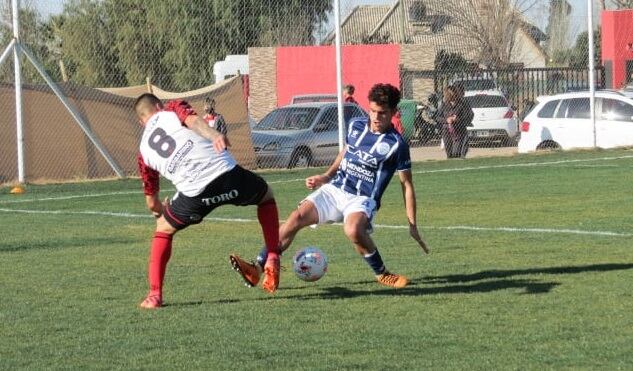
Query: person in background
point(396, 121)
point(455, 116)
point(214, 119)
point(348, 94)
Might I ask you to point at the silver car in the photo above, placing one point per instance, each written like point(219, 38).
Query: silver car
point(300, 135)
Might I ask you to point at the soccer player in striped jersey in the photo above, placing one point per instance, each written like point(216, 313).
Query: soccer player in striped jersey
point(179, 145)
point(351, 189)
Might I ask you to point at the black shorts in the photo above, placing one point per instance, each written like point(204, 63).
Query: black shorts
point(238, 187)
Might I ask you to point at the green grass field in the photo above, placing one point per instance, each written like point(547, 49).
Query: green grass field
point(531, 268)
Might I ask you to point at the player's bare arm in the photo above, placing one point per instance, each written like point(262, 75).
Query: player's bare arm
point(200, 127)
point(316, 181)
point(408, 193)
point(154, 205)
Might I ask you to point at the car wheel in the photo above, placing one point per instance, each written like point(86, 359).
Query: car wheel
point(301, 157)
point(548, 145)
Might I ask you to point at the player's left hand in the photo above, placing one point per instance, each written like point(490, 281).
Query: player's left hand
point(413, 231)
point(221, 143)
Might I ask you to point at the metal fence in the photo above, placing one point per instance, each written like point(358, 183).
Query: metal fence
point(99, 54)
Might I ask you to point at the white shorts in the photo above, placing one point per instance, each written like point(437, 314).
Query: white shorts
point(334, 205)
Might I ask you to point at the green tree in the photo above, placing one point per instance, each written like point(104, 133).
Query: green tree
point(450, 61)
point(33, 35)
point(87, 43)
point(120, 42)
point(579, 54)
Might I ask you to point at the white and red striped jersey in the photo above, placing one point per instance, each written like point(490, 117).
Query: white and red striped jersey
point(187, 159)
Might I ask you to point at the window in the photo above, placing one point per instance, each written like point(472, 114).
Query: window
point(578, 108)
point(616, 110)
point(547, 112)
point(487, 101)
point(329, 120)
point(288, 119)
point(562, 109)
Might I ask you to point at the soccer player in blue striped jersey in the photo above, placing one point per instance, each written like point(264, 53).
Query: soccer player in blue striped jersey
point(351, 189)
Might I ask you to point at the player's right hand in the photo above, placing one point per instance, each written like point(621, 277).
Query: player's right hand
point(316, 181)
point(221, 143)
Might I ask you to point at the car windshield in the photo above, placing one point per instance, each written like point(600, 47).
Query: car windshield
point(486, 101)
point(291, 118)
point(470, 85)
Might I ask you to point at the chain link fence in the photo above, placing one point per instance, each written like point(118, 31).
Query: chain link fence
point(269, 67)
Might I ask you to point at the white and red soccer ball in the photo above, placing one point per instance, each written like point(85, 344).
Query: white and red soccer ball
point(309, 264)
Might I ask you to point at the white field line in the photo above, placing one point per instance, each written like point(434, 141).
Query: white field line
point(526, 164)
point(139, 192)
point(241, 220)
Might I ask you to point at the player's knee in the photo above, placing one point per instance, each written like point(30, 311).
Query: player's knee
point(353, 232)
point(163, 226)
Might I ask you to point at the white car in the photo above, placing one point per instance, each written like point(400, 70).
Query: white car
point(563, 122)
point(494, 119)
point(628, 90)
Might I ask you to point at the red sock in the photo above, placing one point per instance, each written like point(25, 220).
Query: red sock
point(269, 220)
point(158, 258)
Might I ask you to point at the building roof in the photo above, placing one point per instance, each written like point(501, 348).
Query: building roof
point(399, 23)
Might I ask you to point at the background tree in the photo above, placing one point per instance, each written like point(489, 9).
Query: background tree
point(450, 61)
point(490, 25)
point(623, 4)
point(121, 42)
point(558, 29)
point(33, 34)
point(579, 54)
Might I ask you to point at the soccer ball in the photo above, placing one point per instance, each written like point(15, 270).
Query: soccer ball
point(309, 264)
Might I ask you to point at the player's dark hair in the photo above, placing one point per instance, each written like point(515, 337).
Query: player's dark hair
point(349, 88)
point(147, 99)
point(384, 95)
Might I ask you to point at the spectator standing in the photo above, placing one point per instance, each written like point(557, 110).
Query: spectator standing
point(214, 119)
point(455, 116)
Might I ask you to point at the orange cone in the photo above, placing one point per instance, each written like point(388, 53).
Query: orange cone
point(17, 190)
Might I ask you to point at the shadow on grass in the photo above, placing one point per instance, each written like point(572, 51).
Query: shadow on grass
point(484, 275)
point(338, 292)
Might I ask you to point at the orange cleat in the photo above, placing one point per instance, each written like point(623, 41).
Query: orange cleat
point(392, 280)
point(152, 302)
point(271, 273)
point(249, 271)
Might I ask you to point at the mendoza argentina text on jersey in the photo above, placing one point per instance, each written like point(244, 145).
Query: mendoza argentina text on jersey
point(188, 160)
point(370, 160)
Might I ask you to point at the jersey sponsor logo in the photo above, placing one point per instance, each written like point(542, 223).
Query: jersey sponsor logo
point(383, 148)
point(221, 197)
point(180, 155)
point(355, 133)
point(365, 157)
point(358, 171)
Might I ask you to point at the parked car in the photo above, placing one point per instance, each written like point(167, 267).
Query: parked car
point(477, 82)
point(300, 135)
point(494, 119)
point(306, 98)
point(563, 122)
point(628, 90)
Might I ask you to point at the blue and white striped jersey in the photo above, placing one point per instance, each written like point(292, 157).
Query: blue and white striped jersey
point(370, 160)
